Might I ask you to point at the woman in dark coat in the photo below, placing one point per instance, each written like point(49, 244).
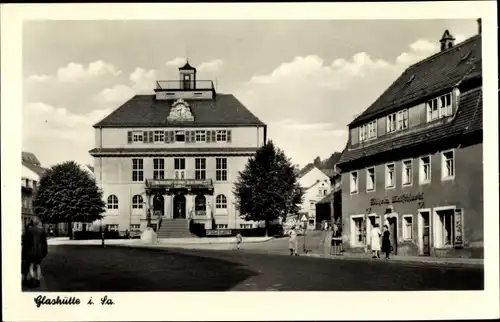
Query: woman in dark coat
point(386, 241)
point(34, 250)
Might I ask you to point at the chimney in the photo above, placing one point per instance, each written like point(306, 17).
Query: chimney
point(479, 26)
point(447, 41)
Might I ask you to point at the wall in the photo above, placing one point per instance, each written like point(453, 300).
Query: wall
point(251, 136)
point(464, 191)
point(114, 176)
point(191, 95)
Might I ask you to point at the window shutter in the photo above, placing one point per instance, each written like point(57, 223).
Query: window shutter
point(151, 137)
point(208, 137)
point(214, 139)
point(166, 137)
point(129, 136)
point(172, 136)
point(187, 136)
point(228, 135)
point(458, 241)
point(145, 136)
point(193, 136)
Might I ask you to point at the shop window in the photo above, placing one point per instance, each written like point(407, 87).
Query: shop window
point(444, 233)
point(357, 231)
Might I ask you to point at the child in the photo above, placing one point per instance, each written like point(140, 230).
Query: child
point(238, 240)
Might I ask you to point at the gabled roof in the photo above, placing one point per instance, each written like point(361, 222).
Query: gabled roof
point(146, 111)
point(469, 118)
point(30, 158)
point(430, 76)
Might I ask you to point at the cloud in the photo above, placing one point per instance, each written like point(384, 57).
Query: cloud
point(143, 80)
point(211, 66)
point(308, 102)
point(38, 78)
point(117, 94)
point(76, 72)
point(176, 62)
point(45, 125)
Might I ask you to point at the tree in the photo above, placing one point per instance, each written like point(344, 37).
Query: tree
point(268, 187)
point(67, 193)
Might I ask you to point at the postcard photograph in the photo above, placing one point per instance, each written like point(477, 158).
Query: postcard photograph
point(244, 155)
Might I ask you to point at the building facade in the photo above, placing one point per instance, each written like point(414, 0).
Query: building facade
point(316, 185)
point(176, 153)
point(413, 160)
point(330, 207)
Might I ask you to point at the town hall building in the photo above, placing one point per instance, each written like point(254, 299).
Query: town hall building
point(177, 153)
point(414, 159)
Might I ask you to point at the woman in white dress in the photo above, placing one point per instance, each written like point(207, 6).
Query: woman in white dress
point(375, 240)
point(292, 242)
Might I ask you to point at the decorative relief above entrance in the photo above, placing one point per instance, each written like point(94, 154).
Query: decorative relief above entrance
point(180, 112)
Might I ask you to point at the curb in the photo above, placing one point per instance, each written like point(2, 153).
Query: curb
point(403, 261)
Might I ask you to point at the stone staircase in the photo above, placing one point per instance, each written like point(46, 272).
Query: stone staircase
point(174, 228)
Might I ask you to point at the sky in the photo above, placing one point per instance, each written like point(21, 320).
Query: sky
point(306, 79)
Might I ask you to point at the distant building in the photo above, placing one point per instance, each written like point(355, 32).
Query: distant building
point(316, 185)
point(178, 153)
point(30, 176)
point(330, 207)
point(414, 159)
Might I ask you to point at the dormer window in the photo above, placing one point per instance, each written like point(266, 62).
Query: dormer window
point(368, 131)
point(180, 136)
point(439, 107)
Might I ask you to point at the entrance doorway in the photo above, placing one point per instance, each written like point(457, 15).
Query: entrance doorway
point(425, 233)
point(158, 206)
point(179, 207)
point(393, 229)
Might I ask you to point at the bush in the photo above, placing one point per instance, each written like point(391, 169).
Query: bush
point(197, 229)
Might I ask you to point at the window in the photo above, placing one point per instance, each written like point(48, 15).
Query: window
point(245, 226)
point(425, 169)
point(159, 136)
point(158, 168)
point(357, 231)
point(220, 226)
point(439, 107)
point(445, 228)
point(112, 227)
point(407, 227)
point(180, 167)
point(221, 202)
point(221, 169)
point(354, 182)
point(180, 136)
point(445, 108)
point(137, 202)
point(370, 179)
point(391, 123)
point(322, 191)
point(448, 165)
point(135, 228)
point(137, 170)
point(407, 173)
point(112, 202)
point(200, 136)
point(368, 131)
point(137, 137)
point(200, 169)
point(390, 176)
point(402, 119)
point(312, 204)
point(221, 136)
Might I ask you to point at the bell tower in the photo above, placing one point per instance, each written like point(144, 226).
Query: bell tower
point(447, 41)
point(187, 75)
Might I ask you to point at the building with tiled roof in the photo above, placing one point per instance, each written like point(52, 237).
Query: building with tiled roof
point(413, 160)
point(31, 171)
point(170, 159)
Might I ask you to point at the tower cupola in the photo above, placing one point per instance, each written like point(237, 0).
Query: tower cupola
point(187, 75)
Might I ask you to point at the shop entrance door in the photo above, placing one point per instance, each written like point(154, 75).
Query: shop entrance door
point(393, 229)
point(425, 238)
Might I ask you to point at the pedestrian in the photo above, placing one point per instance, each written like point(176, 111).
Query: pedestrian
point(34, 249)
point(386, 242)
point(375, 241)
point(292, 242)
point(336, 240)
point(239, 239)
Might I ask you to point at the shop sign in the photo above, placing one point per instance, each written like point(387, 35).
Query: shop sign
point(459, 240)
point(403, 198)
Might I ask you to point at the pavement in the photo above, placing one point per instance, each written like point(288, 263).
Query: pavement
point(87, 268)
point(161, 241)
